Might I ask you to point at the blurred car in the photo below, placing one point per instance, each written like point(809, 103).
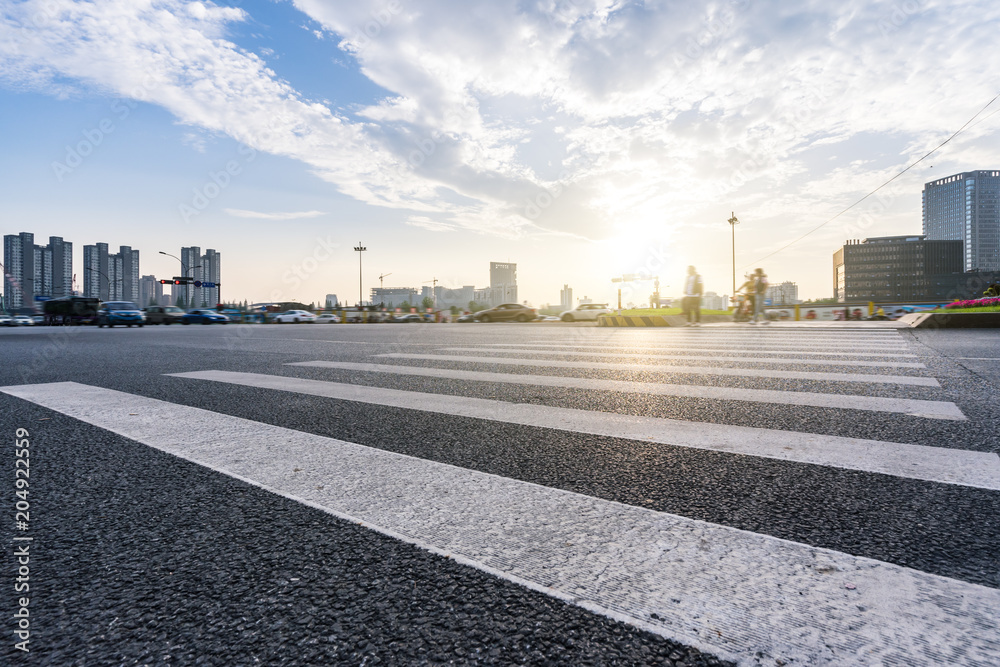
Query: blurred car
point(294, 316)
point(585, 312)
point(23, 321)
point(163, 314)
point(466, 318)
point(6, 321)
point(38, 319)
point(327, 318)
point(204, 316)
point(409, 318)
point(548, 318)
point(507, 312)
point(119, 312)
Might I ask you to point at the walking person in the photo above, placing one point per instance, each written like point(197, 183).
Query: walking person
point(691, 304)
point(759, 291)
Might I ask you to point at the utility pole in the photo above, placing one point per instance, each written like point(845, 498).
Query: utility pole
point(732, 223)
point(361, 289)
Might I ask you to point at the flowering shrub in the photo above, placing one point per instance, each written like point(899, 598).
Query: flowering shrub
point(975, 303)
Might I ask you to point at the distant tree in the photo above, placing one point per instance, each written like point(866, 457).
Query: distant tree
point(427, 302)
point(405, 305)
point(476, 307)
point(180, 303)
point(454, 310)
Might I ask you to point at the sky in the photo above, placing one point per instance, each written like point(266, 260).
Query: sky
point(580, 139)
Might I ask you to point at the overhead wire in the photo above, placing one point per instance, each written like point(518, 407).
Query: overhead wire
point(908, 167)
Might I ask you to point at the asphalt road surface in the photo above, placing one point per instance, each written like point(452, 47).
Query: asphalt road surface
point(500, 494)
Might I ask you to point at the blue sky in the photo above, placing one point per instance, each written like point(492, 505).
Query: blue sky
point(581, 139)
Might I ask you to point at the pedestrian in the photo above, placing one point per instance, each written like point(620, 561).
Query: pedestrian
point(691, 304)
point(759, 290)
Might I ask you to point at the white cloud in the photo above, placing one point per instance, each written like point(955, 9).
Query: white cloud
point(290, 215)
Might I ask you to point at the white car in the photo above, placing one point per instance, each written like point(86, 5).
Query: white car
point(5, 321)
point(295, 316)
point(327, 318)
point(23, 321)
point(585, 311)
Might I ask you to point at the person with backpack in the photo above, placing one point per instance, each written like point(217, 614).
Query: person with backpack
point(691, 304)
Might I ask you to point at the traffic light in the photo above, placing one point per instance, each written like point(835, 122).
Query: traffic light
point(178, 280)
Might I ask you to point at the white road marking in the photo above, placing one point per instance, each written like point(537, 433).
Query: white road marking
point(693, 357)
point(935, 464)
point(918, 408)
point(710, 347)
point(739, 595)
point(673, 369)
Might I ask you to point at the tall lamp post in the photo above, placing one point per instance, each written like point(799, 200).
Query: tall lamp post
point(361, 287)
point(732, 223)
point(107, 278)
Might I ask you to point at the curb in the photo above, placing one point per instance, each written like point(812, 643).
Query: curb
point(952, 320)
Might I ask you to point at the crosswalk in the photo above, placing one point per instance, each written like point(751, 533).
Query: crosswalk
point(741, 595)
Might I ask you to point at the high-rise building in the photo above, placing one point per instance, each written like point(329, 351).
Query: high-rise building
point(211, 272)
point(566, 298)
point(331, 301)
point(56, 260)
point(38, 271)
point(111, 277)
point(19, 271)
point(966, 207)
point(150, 292)
point(191, 268)
point(895, 268)
point(96, 276)
point(125, 283)
point(503, 284)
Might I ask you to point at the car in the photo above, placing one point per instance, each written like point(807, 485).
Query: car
point(466, 318)
point(294, 316)
point(507, 312)
point(204, 316)
point(23, 321)
point(585, 312)
point(6, 321)
point(163, 314)
point(327, 318)
point(38, 319)
point(119, 312)
point(409, 318)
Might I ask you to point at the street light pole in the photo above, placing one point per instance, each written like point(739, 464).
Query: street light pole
point(732, 223)
point(361, 286)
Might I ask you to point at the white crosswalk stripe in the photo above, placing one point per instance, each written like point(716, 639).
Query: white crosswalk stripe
point(662, 368)
point(710, 347)
point(733, 593)
point(692, 357)
point(918, 408)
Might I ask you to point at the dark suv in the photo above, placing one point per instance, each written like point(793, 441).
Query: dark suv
point(506, 312)
point(163, 315)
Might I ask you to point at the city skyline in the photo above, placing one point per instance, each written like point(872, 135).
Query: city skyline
point(283, 133)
